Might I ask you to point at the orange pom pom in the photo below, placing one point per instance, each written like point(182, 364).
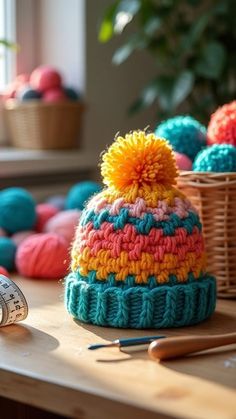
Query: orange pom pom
point(137, 160)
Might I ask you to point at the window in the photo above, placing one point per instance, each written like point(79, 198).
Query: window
point(7, 32)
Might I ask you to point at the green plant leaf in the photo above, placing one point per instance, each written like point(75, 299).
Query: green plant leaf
point(122, 53)
point(211, 61)
point(129, 6)
point(106, 30)
point(8, 44)
point(148, 96)
point(195, 32)
point(152, 25)
point(173, 90)
point(125, 12)
point(168, 90)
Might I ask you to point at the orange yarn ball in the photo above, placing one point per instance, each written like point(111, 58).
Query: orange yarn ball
point(222, 126)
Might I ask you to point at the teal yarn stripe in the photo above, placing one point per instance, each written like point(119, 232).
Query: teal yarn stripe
point(142, 225)
point(141, 307)
point(129, 281)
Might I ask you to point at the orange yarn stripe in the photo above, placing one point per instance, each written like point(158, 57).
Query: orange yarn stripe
point(104, 264)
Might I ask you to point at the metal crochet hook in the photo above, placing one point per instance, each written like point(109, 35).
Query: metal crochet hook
point(120, 343)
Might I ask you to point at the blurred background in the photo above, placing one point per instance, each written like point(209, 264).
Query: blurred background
point(130, 63)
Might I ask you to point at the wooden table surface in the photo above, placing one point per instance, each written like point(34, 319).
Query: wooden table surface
point(44, 362)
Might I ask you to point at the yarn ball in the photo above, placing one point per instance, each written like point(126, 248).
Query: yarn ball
point(184, 133)
point(57, 201)
point(183, 162)
point(218, 158)
point(19, 237)
point(17, 210)
point(44, 78)
point(54, 95)
point(43, 256)
point(222, 125)
point(10, 91)
point(7, 253)
point(80, 193)
point(22, 78)
point(71, 93)
point(4, 271)
point(44, 213)
point(27, 93)
point(64, 223)
point(2, 232)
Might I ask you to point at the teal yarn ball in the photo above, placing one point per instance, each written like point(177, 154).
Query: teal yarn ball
point(218, 158)
point(7, 253)
point(185, 134)
point(17, 210)
point(80, 193)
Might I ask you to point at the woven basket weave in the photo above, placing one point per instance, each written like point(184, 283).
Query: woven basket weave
point(214, 196)
point(44, 126)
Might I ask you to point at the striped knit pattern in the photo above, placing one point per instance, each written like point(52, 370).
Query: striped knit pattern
point(138, 260)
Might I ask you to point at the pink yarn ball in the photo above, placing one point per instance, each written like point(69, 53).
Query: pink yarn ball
point(2, 232)
point(44, 78)
point(10, 91)
point(44, 213)
point(54, 95)
point(22, 78)
point(43, 255)
point(19, 237)
point(64, 223)
point(3, 271)
point(183, 162)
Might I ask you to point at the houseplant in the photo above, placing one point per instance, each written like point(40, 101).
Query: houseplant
point(192, 43)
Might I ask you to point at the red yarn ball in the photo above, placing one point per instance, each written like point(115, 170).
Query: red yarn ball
point(44, 78)
point(4, 271)
point(44, 213)
point(183, 162)
point(54, 95)
point(222, 125)
point(44, 255)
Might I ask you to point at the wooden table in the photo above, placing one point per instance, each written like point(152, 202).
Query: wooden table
point(44, 363)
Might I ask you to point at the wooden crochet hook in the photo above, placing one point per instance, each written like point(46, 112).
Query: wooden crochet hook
point(174, 347)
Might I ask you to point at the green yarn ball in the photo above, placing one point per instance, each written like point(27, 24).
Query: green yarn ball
point(80, 193)
point(218, 158)
point(7, 253)
point(185, 134)
point(17, 210)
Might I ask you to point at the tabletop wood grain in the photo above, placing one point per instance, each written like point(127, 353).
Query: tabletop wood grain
point(45, 363)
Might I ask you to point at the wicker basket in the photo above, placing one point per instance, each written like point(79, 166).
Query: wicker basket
point(214, 196)
point(44, 126)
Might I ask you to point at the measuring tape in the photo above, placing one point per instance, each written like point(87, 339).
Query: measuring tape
point(13, 305)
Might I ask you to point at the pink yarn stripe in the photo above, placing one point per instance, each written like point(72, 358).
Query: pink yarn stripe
point(135, 244)
point(139, 208)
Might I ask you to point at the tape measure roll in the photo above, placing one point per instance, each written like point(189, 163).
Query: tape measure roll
point(13, 305)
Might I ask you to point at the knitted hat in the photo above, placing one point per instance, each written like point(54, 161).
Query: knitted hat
point(138, 257)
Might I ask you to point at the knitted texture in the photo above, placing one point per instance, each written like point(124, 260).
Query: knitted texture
point(138, 257)
point(184, 133)
point(222, 126)
point(218, 158)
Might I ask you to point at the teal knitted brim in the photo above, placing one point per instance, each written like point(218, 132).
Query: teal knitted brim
point(140, 306)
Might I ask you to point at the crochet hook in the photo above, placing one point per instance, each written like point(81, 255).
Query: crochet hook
point(174, 347)
point(120, 343)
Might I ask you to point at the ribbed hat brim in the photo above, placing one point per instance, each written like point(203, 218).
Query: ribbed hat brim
point(140, 307)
